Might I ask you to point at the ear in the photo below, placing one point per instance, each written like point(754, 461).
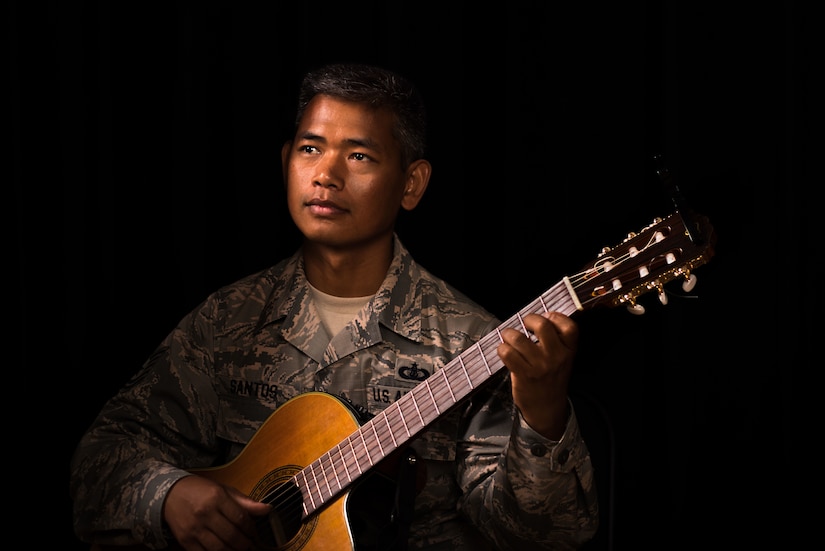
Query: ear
point(417, 178)
point(285, 150)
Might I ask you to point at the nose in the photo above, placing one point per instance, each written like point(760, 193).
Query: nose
point(329, 172)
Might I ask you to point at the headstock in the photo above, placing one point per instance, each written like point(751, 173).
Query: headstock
point(665, 250)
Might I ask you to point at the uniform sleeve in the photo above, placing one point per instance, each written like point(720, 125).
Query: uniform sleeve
point(123, 466)
point(523, 491)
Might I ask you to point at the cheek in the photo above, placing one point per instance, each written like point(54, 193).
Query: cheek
point(384, 190)
point(380, 200)
point(293, 195)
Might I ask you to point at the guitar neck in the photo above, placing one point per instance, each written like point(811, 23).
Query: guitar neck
point(338, 468)
point(664, 250)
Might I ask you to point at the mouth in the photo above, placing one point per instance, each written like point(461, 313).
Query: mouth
point(320, 207)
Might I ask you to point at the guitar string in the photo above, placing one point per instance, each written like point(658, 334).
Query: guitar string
point(476, 369)
point(288, 496)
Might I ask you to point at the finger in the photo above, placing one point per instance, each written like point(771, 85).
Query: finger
point(252, 511)
point(252, 506)
point(566, 330)
point(535, 330)
point(517, 351)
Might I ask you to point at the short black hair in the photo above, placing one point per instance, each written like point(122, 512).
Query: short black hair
point(377, 88)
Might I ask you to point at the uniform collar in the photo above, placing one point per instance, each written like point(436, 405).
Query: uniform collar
point(396, 305)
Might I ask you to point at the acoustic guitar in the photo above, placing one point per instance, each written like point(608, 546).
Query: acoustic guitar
point(307, 472)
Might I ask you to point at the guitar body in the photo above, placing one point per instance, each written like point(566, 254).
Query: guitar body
point(294, 436)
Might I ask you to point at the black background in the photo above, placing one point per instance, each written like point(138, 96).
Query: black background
point(145, 143)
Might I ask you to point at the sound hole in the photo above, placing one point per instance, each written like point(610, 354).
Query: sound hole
point(284, 524)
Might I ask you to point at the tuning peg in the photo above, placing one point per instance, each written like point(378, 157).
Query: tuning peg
point(689, 283)
point(662, 297)
point(635, 309)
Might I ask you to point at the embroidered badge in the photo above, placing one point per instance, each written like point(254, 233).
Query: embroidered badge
point(412, 372)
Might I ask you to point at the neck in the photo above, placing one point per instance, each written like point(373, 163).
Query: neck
point(351, 272)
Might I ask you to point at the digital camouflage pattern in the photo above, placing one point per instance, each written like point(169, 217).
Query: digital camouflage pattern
point(253, 345)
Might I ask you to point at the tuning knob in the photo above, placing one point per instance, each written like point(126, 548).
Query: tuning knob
point(635, 309)
point(662, 297)
point(689, 283)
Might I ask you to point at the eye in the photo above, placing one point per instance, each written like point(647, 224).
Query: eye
point(307, 149)
point(361, 157)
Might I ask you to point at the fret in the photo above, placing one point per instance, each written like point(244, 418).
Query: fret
point(427, 405)
point(543, 305)
point(331, 469)
point(471, 355)
point(378, 428)
point(333, 456)
point(305, 506)
point(321, 466)
point(354, 458)
point(412, 399)
point(447, 382)
point(366, 446)
point(301, 481)
point(415, 395)
point(399, 420)
point(521, 322)
point(459, 382)
point(317, 483)
point(386, 420)
point(314, 499)
point(442, 394)
point(435, 402)
point(486, 365)
point(377, 439)
point(408, 409)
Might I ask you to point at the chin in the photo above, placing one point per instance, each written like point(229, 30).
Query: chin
point(328, 234)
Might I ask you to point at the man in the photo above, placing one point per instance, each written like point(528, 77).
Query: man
point(350, 315)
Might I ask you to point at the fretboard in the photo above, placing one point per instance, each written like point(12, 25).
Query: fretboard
point(338, 468)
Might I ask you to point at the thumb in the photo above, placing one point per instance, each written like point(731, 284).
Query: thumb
point(254, 506)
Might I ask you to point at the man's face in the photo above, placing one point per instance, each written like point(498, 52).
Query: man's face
point(343, 173)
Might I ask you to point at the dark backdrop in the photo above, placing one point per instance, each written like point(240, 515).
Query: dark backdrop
point(145, 145)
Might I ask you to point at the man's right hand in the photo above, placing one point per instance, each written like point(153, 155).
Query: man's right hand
point(207, 516)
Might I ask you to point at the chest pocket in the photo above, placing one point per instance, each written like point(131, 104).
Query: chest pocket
point(245, 402)
point(252, 384)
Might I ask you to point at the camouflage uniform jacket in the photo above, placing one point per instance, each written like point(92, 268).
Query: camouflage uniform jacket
point(255, 344)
